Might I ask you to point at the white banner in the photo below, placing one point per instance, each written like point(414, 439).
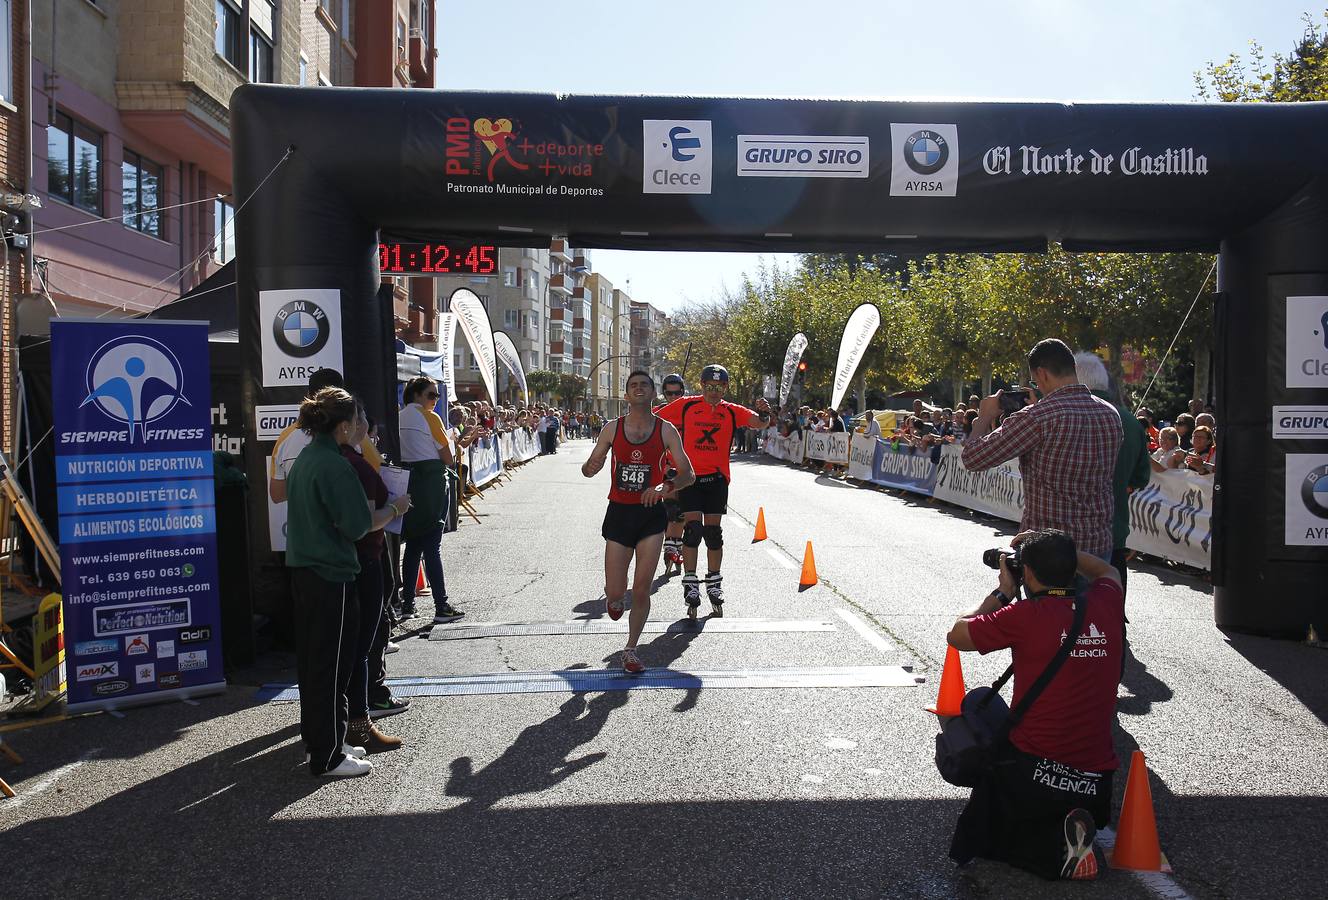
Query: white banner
point(787, 448)
point(485, 462)
point(861, 455)
point(998, 491)
point(861, 327)
point(511, 360)
point(299, 332)
point(447, 323)
point(524, 447)
point(829, 446)
point(474, 322)
point(1173, 518)
point(792, 356)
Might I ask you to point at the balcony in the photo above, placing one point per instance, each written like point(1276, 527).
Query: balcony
point(562, 283)
point(555, 348)
point(581, 260)
point(578, 323)
point(579, 353)
point(557, 314)
point(560, 251)
point(421, 60)
point(582, 293)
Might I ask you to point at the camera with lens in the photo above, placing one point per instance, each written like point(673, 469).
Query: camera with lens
point(992, 560)
point(1013, 399)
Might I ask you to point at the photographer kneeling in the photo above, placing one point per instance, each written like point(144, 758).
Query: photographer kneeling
point(1048, 789)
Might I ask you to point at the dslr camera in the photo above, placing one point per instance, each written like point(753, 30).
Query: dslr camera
point(1014, 561)
point(1013, 399)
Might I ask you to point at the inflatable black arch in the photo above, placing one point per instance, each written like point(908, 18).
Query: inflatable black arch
point(783, 175)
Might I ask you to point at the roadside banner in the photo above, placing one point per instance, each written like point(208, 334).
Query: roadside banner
point(828, 446)
point(788, 448)
point(523, 446)
point(792, 356)
point(474, 321)
point(998, 491)
point(137, 517)
point(904, 468)
point(511, 360)
point(862, 453)
point(1173, 517)
point(447, 325)
point(485, 461)
point(861, 327)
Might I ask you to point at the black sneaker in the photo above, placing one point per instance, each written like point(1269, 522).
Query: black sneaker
point(407, 612)
point(446, 613)
point(389, 707)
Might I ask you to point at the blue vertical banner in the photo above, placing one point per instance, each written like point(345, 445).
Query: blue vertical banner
point(138, 542)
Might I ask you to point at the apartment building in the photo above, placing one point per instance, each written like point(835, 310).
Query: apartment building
point(16, 199)
point(648, 324)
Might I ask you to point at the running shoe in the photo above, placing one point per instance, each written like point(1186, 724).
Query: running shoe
point(390, 647)
point(1080, 862)
point(349, 767)
point(631, 664)
point(407, 612)
point(614, 607)
point(446, 613)
point(389, 707)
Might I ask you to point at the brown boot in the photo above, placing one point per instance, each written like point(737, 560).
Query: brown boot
point(363, 733)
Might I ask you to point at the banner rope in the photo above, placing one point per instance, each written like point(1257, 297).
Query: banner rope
point(1175, 338)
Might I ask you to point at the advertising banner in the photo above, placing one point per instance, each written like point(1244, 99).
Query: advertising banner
point(511, 359)
point(1306, 500)
point(137, 522)
point(792, 356)
point(831, 447)
point(485, 461)
point(862, 456)
point(1173, 518)
point(474, 322)
point(447, 324)
point(299, 333)
point(861, 327)
point(904, 468)
point(789, 449)
point(998, 491)
point(519, 446)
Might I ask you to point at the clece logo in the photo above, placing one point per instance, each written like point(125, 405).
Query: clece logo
point(135, 381)
point(925, 161)
point(136, 644)
point(92, 648)
point(196, 635)
point(676, 156)
point(169, 680)
point(803, 156)
point(301, 328)
point(106, 688)
point(93, 671)
point(1307, 342)
point(1314, 491)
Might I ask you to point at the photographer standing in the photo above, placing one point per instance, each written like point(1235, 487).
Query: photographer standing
point(1040, 804)
point(1066, 443)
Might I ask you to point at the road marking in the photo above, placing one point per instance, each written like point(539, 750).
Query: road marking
point(1160, 884)
point(782, 559)
point(474, 630)
point(35, 790)
point(205, 799)
point(865, 630)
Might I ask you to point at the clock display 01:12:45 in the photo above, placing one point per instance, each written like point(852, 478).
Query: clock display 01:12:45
point(475, 259)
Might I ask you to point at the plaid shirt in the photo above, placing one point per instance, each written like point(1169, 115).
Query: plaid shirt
point(1067, 445)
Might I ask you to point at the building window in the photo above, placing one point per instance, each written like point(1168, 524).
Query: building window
point(73, 154)
point(141, 189)
point(509, 278)
point(304, 69)
point(510, 318)
point(223, 224)
point(260, 58)
point(345, 21)
point(230, 40)
point(458, 359)
point(6, 51)
point(401, 42)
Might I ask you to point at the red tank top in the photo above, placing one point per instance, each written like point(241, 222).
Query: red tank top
point(636, 467)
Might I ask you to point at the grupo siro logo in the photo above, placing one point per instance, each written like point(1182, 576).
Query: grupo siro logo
point(926, 152)
point(1314, 491)
point(134, 380)
point(301, 328)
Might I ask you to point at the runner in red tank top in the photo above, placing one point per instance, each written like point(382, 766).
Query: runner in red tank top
point(634, 523)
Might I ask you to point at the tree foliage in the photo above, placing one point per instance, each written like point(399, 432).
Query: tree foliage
point(571, 388)
point(1295, 77)
point(541, 382)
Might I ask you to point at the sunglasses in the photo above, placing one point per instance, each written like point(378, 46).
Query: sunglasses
point(673, 393)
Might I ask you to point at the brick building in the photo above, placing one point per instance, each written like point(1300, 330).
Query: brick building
point(16, 199)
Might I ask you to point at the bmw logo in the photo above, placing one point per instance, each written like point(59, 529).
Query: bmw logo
point(1314, 491)
point(926, 152)
point(300, 328)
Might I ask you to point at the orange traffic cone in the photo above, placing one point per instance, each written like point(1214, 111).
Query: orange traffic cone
point(421, 587)
point(808, 578)
point(951, 696)
point(760, 525)
point(1136, 834)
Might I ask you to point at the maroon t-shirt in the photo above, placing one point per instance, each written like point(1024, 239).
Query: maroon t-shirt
point(371, 545)
point(1070, 722)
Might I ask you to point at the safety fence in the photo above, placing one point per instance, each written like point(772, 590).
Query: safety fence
point(488, 457)
point(1171, 518)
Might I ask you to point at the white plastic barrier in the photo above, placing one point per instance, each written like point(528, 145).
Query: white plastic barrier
point(828, 446)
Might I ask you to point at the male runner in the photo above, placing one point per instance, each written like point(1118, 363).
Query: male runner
point(706, 425)
point(673, 387)
point(634, 523)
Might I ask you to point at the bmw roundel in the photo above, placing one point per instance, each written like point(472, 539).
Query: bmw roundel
point(926, 152)
point(300, 328)
point(1314, 491)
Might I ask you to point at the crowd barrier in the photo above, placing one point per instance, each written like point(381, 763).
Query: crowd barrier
point(517, 447)
point(1171, 518)
point(486, 462)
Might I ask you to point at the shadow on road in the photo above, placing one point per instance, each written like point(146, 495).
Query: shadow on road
point(1301, 669)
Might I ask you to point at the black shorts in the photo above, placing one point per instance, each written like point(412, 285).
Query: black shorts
point(631, 523)
point(673, 510)
point(709, 494)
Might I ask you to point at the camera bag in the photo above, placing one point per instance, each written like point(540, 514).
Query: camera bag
point(969, 741)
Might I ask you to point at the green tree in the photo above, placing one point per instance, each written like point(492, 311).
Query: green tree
point(542, 383)
point(1297, 76)
point(571, 388)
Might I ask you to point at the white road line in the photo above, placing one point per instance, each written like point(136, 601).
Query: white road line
point(31, 792)
point(870, 636)
point(1160, 884)
point(782, 559)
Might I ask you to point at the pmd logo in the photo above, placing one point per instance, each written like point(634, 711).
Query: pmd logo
point(676, 156)
point(300, 328)
point(134, 380)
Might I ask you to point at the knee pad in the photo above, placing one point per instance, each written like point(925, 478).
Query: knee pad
point(714, 536)
point(691, 534)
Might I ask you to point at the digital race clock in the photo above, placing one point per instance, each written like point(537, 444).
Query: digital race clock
point(398, 258)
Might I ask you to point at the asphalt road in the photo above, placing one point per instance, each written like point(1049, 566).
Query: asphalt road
point(784, 792)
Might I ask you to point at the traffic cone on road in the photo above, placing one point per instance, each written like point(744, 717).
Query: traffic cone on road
point(950, 698)
point(760, 525)
point(421, 586)
point(808, 578)
point(1136, 833)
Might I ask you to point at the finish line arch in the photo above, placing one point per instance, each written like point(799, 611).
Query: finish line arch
point(667, 173)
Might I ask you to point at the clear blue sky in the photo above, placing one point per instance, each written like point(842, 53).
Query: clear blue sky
point(993, 50)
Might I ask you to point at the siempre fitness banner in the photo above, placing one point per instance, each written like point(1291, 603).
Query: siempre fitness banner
point(138, 548)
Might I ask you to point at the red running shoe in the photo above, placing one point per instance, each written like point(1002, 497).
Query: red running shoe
point(1080, 863)
point(614, 607)
point(631, 664)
